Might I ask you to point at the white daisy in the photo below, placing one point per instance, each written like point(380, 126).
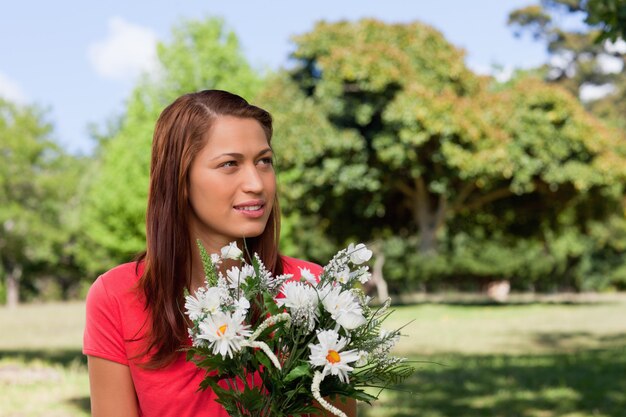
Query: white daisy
point(235, 278)
point(241, 306)
point(225, 333)
point(363, 358)
point(302, 300)
point(224, 289)
point(297, 295)
point(362, 273)
point(308, 276)
point(359, 254)
point(365, 277)
point(215, 259)
point(231, 251)
point(325, 290)
point(247, 271)
point(343, 276)
point(329, 355)
point(206, 301)
point(344, 308)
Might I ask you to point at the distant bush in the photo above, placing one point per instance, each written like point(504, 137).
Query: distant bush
point(568, 261)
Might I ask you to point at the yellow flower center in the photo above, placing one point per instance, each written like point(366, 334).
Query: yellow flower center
point(222, 329)
point(333, 356)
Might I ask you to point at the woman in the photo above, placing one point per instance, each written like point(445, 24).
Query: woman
point(212, 179)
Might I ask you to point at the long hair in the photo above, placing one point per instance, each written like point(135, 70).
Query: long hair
point(178, 137)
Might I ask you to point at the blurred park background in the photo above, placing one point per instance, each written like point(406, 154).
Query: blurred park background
point(495, 204)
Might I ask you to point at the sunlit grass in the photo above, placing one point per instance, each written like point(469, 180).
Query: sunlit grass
point(42, 326)
point(39, 388)
point(511, 329)
point(527, 360)
point(588, 383)
point(42, 371)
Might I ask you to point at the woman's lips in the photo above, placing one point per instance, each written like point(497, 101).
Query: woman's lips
point(251, 210)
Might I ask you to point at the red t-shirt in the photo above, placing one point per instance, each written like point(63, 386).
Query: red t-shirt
point(116, 322)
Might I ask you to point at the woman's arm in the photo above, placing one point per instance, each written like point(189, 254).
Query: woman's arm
point(348, 406)
point(112, 390)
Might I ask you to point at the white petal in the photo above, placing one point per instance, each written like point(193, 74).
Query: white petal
point(231, 251)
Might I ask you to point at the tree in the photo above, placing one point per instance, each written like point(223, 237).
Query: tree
point(37, 183)
point(590, 61)
point(606, 17)
point(382, 130)
point(201, 55)
point(610, 15)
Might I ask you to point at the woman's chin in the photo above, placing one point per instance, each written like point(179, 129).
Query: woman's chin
point(251, 232)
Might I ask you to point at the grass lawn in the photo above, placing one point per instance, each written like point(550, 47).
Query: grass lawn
point(42, 370)
point(589, 383)
point(530, 359)
point(524, 360)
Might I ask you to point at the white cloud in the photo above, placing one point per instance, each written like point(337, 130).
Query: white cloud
point(127, 51)
point(480, 68)
point(617, 47)
point(563, 62)
point(608, 64)
point(500, 73)
point(590, 92)
point(504, 74)
point(10, 90)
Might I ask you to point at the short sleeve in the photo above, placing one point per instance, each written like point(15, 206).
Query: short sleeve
point(295, 266)
point(103, 336)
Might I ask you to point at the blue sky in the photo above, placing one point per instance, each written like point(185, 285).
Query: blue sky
point(79, 59)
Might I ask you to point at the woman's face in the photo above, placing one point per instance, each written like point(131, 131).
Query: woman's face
point(231, 182)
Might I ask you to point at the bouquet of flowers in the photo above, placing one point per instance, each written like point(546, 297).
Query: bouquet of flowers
point(272, 346)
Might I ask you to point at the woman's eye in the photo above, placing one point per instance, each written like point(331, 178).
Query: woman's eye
point(229, 164)
point(266, 161)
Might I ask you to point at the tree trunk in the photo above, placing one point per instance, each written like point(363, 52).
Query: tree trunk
point(13, 286)
point(427, 236)
point(429, 219)
point(377, 281)
point(378, 278)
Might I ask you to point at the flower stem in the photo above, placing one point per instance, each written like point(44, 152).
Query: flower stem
point(315, 390)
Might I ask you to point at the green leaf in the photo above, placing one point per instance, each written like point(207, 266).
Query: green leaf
point(297, 372)
point(252, 399)
point(270, 304)
point(207, 265)
point(263, 359)
point(360, 395)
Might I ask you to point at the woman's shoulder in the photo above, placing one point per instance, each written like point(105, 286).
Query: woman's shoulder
point(294, 266)
point(114, 313)
point(119, 279)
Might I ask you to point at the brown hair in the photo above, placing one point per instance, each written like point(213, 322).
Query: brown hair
point(178, 137)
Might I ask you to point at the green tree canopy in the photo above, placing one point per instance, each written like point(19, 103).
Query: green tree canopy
point(589, 57)
point(610, 15)
point(38, 184)
point(381, 129)
point(589, 60)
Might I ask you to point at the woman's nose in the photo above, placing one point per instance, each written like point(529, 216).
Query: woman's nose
point(252, 181)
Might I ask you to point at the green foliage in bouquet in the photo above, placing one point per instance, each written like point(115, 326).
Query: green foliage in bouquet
point(273, 346)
